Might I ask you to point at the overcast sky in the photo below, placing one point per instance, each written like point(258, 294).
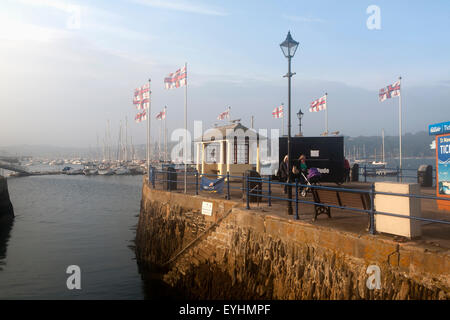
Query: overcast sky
point(64, 74)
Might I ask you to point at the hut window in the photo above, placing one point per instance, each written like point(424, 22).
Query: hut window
point(212, 153)
point(241, 150)
point(235, 151)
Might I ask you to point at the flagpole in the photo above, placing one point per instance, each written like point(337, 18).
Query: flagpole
point(400, 125)
point(326, 114)
point(165, 134)
point(185, 131)
point(160, 139)
point(148, 130)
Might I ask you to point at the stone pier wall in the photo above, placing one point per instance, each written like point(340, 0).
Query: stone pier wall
point(240, 254)
point(6, 208)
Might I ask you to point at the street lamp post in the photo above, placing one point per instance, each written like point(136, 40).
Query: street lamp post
point(300, 116)
point(289, 47)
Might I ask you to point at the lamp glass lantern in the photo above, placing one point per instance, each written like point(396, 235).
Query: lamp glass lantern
point(289, 46)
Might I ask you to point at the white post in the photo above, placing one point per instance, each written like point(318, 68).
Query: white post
point(400, 125)
point(148, 129)
point(185, 132)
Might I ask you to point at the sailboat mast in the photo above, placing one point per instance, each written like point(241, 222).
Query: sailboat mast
point(126, 139)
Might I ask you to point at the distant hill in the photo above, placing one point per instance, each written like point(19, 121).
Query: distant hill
point(413, 145)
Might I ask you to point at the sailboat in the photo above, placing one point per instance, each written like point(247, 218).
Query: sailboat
point(380, 163)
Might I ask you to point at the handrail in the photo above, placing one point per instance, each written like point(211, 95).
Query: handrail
point(265, 192)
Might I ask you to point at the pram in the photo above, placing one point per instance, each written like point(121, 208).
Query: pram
point(312, 179)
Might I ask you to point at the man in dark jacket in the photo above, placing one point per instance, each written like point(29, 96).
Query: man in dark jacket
point(283, 173)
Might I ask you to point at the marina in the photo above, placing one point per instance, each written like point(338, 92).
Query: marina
point(257, 152)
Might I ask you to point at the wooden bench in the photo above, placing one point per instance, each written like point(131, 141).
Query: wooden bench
point(347, 199)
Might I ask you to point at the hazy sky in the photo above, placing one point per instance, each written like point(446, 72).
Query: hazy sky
point(62, 77)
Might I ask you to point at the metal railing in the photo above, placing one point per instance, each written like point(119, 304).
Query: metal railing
point(397, 172)
point(262, 188)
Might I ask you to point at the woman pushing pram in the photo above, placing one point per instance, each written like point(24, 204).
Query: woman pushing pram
point(305, 176)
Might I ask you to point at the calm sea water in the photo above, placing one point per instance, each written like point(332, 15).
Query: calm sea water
point(410, 167)
point(72, 220)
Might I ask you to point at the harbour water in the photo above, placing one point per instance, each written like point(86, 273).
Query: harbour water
point(72, 220)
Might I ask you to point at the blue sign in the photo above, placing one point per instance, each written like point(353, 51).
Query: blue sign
point(443, 173)
point(439, 128)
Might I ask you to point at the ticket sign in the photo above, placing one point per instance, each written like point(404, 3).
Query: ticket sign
point(439, 128)
point(443, 170)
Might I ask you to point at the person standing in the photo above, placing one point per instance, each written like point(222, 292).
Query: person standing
point(346, 170)
point(283, 173)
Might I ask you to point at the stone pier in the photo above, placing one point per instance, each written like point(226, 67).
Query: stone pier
point(6, 208)
point(236, 253)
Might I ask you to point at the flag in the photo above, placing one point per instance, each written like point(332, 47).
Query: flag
point(142, 97)
point(176, 79)
point(390, 91)
point(141, 116)
point(224, 115)
point(319, 104)
point(278, 112)
point(161, 115)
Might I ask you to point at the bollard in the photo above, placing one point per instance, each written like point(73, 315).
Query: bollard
point(228, 186)
point(372, 209)
point(270, 191)
point(296, 199)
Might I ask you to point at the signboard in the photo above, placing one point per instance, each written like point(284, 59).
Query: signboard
point(443, 170)
point(315, 153)
point(439, 128)
point(207, 208)
point(324, 153)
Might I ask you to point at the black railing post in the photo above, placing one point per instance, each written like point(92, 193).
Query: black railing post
point(296, 199)
point(196, 182)
point(365, 173)
point(372, 209)
point(398, 173)
point(247, 191)
point(228, 186)
point(270, 191)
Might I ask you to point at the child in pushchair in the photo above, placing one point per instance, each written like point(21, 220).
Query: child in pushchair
point(313, 178)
